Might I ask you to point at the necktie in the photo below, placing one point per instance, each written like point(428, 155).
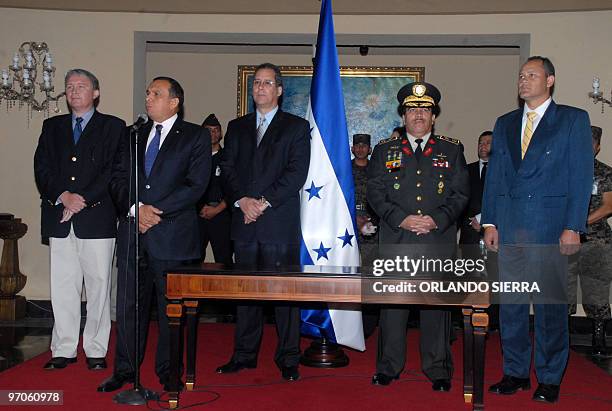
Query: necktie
point(152, 150)
point(531, 115)
point(483, 172)
point(261, 130)
point(418, 153)
point(78, 130)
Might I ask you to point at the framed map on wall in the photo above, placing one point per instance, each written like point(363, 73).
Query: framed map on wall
point(369, 95)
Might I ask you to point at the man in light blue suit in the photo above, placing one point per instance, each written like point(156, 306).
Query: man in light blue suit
point(535, 206)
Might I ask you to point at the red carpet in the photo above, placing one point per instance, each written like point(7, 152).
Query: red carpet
point(585, 386)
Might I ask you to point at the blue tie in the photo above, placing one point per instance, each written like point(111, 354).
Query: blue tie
point(78, 130)
point(152, 151)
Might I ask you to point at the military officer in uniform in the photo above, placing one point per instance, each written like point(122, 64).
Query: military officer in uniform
point(418, 185)
point(594, 263)
point(215, 218)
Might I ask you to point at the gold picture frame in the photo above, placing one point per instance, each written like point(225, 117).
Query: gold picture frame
point(369, 94)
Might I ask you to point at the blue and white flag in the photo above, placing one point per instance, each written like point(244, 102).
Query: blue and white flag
point(328, 197)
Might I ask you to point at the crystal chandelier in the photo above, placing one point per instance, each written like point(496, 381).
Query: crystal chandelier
point(597, 95)
point(19, 82)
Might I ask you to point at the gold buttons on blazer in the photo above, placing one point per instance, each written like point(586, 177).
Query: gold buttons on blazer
point(418, 184)
point(419, 172)
point(419, 198)
point(74, 159)
point(73, 178)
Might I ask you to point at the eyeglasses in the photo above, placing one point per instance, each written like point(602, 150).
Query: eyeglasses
point(263, 83)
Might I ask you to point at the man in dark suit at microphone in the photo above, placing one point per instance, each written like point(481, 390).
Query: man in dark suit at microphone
point(175, 160)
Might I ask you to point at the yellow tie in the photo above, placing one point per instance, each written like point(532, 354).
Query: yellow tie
point(531, 115)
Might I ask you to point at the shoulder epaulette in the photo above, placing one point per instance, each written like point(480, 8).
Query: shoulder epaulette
point(386, 140)
point(450, 140)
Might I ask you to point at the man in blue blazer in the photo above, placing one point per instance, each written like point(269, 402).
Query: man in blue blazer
point(72, 166)
point(535, 206)
point(174, 159)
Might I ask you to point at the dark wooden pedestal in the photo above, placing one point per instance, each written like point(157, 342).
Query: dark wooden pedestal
point(12, 306)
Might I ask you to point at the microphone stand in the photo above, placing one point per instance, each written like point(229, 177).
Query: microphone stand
point(138, 395)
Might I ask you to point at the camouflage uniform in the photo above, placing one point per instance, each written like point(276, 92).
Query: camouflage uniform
point(368, 244)
point(594, 262)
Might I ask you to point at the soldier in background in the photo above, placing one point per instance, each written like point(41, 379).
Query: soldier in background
point(367, 221)
point(594, 263)
point(215, 218)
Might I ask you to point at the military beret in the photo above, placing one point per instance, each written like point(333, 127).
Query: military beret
point(212, 121)
point(361, 139)
point(419, 94)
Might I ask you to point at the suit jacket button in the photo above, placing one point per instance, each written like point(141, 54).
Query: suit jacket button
point(419, 198)
point(147, 186)
point(419, 172)
point(72, 178)
point(73, 159)
point(418, 184)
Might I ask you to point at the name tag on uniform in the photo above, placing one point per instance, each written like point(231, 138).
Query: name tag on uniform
point(217, 171)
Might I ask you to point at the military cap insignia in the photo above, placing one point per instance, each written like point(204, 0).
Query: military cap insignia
point(449, 139)
point(386, 140)
point(419, 90)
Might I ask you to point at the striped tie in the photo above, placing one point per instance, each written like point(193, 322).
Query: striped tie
point(531, 115)
point(261, 130)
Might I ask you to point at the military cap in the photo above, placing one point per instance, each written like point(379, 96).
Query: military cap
point(361, 139)
point(212, 121)
point(419, 94)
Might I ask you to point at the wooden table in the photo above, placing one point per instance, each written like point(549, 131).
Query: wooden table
point(186, 285)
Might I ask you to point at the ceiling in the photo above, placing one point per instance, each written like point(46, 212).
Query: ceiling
point(353, 7)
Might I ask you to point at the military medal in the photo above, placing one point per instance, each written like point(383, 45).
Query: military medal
point(394, 160)
point(440, 161)
point(440, 187)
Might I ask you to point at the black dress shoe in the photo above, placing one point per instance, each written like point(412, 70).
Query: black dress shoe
point(96, 364)
point(383, 379)
point(57, 363)
point(234, 366)
point(443, 385)
point(290, 373)
point(115, 381)
point(546, 393)
point(510, 385)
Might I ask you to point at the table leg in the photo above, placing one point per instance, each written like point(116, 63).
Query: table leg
point(192, 341)
point(480, 321)
point(468, 355)
point(174, 311)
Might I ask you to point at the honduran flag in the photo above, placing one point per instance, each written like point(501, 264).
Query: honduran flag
point(328, 196)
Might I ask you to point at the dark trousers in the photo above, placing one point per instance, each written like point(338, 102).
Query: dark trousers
point(250, 319)
point(545, 266)
point(436, 358)
point(216, 231)
point(151, 280)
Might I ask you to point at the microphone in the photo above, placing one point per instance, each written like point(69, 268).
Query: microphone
point(140, 121)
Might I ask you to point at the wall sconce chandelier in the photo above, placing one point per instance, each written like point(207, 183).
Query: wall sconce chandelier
point(19, 81)
point(597, 95)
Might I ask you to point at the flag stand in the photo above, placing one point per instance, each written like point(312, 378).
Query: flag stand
point(323, 353)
